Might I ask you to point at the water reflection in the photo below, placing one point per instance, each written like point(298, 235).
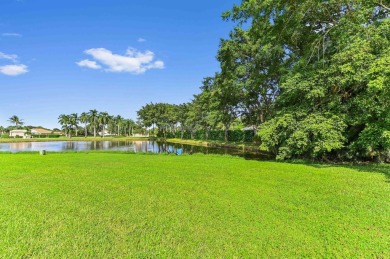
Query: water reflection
point(127, 146)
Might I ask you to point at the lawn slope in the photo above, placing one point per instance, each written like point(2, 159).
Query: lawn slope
point(125, 205)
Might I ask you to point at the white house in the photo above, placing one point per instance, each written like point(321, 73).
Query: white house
point(106, 133)
point(18, 133)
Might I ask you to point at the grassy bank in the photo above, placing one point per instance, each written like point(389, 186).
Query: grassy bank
point(13, 140)
point(120, 205)
point(252, 147)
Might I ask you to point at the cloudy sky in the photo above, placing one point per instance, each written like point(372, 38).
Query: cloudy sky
point(110, 55)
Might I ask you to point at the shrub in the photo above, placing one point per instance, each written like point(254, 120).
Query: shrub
point(47, 136)
point(373, 142)
point(298, 135)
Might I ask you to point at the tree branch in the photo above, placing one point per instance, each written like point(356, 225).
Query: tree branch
point(384, 6)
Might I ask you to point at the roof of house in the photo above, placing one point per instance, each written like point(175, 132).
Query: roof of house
point(41, 131)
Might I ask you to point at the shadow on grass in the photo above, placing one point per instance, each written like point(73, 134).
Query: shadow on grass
point(365, 167)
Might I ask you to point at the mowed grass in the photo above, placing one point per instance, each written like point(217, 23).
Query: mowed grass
point(108, 205)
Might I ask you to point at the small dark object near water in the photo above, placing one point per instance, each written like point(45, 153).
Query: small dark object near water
point(42, 152)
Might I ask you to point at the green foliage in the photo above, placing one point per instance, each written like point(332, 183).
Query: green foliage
point(164, 116)
point(373, 142)
point(46, 136)
point(218, 135)
point(16, 120)
point(333, 62)
point(313, 75)
point(296, 135)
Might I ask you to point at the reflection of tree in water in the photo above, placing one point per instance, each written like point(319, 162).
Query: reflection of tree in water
point(69, 145)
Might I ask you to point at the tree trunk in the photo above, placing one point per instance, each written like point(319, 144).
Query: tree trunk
point(262, 116)
point(86, 131)
point(226, 133)
point(94, 131)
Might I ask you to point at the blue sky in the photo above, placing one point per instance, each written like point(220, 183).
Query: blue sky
point(110, 55)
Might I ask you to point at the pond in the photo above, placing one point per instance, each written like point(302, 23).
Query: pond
point(127, 146)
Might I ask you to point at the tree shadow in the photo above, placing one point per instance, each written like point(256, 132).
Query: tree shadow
point(364, 167)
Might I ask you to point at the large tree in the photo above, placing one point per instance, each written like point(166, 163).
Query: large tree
point(74, 121)
point(66, 124)
point(147, 116)
point(182, 117)
point(104, 119)
point(84, 118)
point(93, 120)
point(118, 121)
point(334, 72)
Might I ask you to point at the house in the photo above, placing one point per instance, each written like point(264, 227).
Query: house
point(18, 134)
point(106, 133)
point(40, 131)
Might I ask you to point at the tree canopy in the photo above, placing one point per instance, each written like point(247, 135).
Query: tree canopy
point(311, 77)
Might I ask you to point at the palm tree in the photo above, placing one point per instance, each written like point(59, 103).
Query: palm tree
point(128, 126)
point(74, 121)
point(119, 122)
point(104, 119)
point(15, 120)
point(65, 122)
point(93, 120)
point(84, 118)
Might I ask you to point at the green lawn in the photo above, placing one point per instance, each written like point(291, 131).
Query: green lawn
point(115, 205)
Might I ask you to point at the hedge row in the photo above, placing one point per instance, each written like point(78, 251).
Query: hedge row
point(233, 135)
point(46, 136)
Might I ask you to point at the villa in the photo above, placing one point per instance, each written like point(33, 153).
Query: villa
point(18, 133)
point(40, 131)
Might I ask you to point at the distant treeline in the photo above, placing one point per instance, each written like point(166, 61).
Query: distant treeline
point(218, 135)
point(97, 123)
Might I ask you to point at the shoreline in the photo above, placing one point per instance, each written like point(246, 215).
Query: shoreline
point(89, 139)
point(246, 147)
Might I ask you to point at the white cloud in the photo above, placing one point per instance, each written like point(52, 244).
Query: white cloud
point(11, 34)
point(89, 64)
point(13, 58)
point(13, 70)
point(141, 40)
point(134, 61)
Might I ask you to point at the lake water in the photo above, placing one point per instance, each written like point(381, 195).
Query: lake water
point(127, 146)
